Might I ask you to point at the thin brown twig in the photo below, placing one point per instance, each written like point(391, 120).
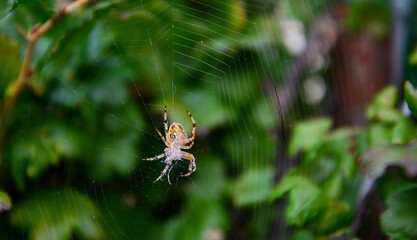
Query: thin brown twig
point(21, 30)
point(25, 71)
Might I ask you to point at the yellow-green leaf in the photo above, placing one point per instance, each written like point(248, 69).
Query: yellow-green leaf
point(410, 96)
point(5, 202)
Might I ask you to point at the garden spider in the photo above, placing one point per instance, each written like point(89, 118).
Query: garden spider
point(176, 139)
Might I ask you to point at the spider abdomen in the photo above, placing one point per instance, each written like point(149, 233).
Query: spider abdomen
point(177, 132)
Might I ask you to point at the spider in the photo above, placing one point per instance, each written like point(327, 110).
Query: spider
point(176, 140)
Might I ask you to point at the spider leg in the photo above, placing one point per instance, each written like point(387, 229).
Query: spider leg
point(193, 132)
point(163, 172)
point(189, 140)
point(154, 158)
point(192, 167)
point(186, 147)
point(166, 122)
point(163, 139)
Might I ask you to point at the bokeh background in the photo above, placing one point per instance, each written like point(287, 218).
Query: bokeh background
point(292, 141)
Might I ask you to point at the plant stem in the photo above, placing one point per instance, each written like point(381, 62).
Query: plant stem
point(25, 70)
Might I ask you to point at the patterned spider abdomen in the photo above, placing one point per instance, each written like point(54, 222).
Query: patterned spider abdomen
point(176, 132)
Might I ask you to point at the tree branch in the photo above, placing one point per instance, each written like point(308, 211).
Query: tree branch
point(25, 71)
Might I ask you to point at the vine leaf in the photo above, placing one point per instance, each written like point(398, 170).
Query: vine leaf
point(309, 204)
point(305, 198)
point(400, 218)
point(385, 99)
point(374, 161)
point(403, 132)
point(309, 134)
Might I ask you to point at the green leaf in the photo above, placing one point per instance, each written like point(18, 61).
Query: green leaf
point(386, 98)
point(373, 16)
point(259, 38)
point(207, 219)
point(5, 202)
point(305, 14)
point(253, 187)
point(379, 133)
point(363, 142)
point(66, 96)
point(57, 215)
point(14, 5)
point(211, 177)
point(339, 150)
point(119, 157)
point(66, 142)
point(42, 8)
point(127, 214)
point(105, 156)
point(403, 132)
point(9, 63)
point(305, 198)
point(391, 183)
point(290, 182)
point(7, 7)
point(388, 115)
point(19, 3)
point(305, 204)
point(412, 60)
point(269, 118)
point(333, 186)
point(204, 212)
point(337, 215)
point(399, 221)
point(309, 134)
point(410, 96)
point(308, 203)
point(30, 155)
point(205, 107)
point(303, 235)
point(250, 146)
point(108, 156)
point(374, 161)
point(67, 45)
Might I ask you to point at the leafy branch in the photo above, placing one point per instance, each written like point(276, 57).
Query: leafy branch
point(32, 37)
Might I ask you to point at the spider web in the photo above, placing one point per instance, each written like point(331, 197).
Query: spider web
point(226, 62)
point(222, 64)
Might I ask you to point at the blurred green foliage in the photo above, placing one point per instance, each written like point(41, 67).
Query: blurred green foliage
point(399, 220)
point(101, 75)
point(372, 16)
point(100, 79)
point(56, 215)
point(323, 189)
point(317, 193)
point(9, 62)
